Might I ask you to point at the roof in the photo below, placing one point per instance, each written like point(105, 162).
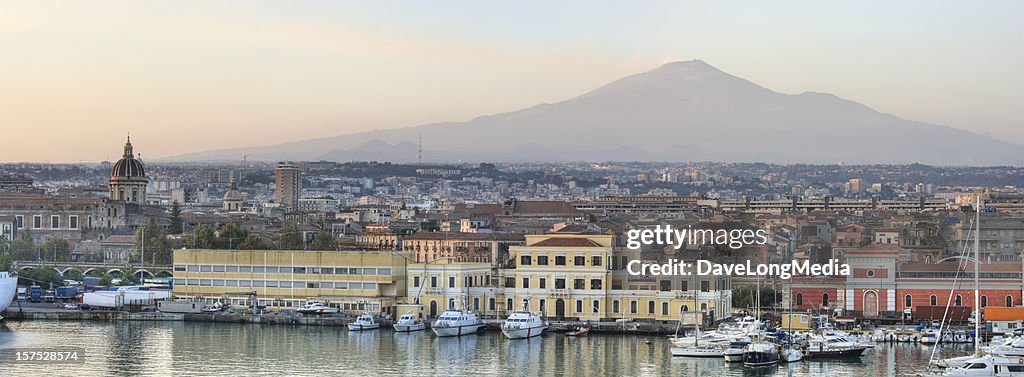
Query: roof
point(567, 242)
point(953, 266)
point(876, 248)
point(463, 236)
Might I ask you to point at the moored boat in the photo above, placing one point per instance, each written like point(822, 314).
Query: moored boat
point(364, 322)
point(316, 307)
point(735, 351)
point(761, 354)
point(8, 287)
point(456, 323)
point(409, 322)
point(523, 324)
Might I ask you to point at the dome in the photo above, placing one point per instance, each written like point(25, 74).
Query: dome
point(128, 166)
point(233, 194)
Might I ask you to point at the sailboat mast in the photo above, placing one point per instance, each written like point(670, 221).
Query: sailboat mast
point(977, 263)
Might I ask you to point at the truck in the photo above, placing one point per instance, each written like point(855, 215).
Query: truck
point(22, 294)
point(65, 293)
point(91, 281)
point(35, 293)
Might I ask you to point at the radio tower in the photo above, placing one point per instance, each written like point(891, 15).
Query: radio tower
point(419, 152)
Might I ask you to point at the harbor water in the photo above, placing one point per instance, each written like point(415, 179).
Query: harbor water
point(226, 349)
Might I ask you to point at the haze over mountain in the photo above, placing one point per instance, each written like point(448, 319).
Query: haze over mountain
point(681, 111)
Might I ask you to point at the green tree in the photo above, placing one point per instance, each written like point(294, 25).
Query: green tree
point(745, 296)
point(42, 275)
point(56, 249)
point(253, 242)
point(74, 274)
point(204, 238)
point(323, 241)
point(289, 238)
point(176, 223)
point(155, 247)
point(231, 235)
point(23, 248)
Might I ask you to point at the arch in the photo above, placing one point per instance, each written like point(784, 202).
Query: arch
point(908, 302)
point(932, 300)
point(559, 308)
point(69, 269)
point(94, 272)
point(684, 308)
point(26, 268)
point(145, 273)
point(871, 304)
point(958, 301)
point(433, 308)
point(115, 272)
point(1009, 301)
point(799, 299)
point(984, 301)
point(824, 299)
point(164, 274)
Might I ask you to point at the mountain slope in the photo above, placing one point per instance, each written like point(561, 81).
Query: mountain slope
point(677, 112)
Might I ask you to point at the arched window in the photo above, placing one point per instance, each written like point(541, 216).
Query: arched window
point(685, 308)
point(824, 299)
point(959, 301)
point(907, 301)
point(984, 301)
point(799, 299)
point(1009, 301)
point(932, 301)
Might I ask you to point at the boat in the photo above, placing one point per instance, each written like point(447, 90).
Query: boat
point(456, 323)
point(8, 287)
point(761, 354)
point(523, 324)
point(316, 307)
point(833, 347)
point(364, 322)
point(988, 366)
point(701, 350)
point(409, 322)
point(790, 355)
point(578, 331)
point(735, 351)
point(932, 336)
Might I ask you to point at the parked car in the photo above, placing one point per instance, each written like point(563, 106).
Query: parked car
point(70, 307)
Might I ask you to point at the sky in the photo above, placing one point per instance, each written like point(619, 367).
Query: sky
point(187, 76)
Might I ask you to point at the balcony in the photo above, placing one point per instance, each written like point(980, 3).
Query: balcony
point(560, 292)
point(682, 295)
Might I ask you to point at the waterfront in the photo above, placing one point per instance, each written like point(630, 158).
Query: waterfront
point(172, 348)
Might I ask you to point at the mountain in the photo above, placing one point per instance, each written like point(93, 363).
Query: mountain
point(681, 111)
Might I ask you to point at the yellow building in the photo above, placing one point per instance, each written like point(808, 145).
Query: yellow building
point(444, 284)
point(350, 280)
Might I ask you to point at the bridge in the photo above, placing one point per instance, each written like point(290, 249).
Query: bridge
point(97, 268)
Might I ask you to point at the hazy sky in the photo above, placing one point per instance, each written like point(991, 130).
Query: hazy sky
point(185, 76)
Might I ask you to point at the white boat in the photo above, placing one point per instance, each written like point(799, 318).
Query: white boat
point(523, 324)
point(1013, 347)
point(931, 336)
point(409, 322)
point(701, 350)
point(988, 366)
point(364, 322)
point(735, 351)
point(127, 295)
point(790, 355)
point(456, 323)
point(8, 287)
point(316, 307)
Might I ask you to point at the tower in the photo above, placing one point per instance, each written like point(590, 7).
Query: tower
point(128, 180)
point(288, 184)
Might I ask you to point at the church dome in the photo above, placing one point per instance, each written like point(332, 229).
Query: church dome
point(128, 166)
point(233, 194)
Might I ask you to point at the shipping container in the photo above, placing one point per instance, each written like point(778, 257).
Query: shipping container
point(936, 313)
point(67, 292)
point(993, 313)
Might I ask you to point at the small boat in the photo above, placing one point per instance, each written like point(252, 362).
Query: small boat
point(456, 323)
point(316, 307)
point(761, 354)
point(931, 336)
point(578, 331)
point(790, 355)
point(409, 322)
point(833, 347)
point(988, 366)
point(216, 307)
point(701, 350)
point(735, 351)
point(364, 322)
point(523, 324)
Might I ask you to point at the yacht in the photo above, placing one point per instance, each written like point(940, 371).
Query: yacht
point(456, 323)
point(760, 354)
point(834, 347)
point(523, 324)
point(735, 351)
point(8, 286)
point(701, 350)
point(363, 323)
point(316, 307)
point(986, 366)
point(933, 336)
point(409, 322)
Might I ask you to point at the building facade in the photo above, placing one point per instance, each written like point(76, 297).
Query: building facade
point(288, 185)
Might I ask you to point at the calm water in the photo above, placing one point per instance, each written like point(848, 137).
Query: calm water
point(193, 348)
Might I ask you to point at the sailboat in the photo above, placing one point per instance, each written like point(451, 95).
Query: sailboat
point(760, 353)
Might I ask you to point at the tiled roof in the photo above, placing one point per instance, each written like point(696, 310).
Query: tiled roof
point(567, 242)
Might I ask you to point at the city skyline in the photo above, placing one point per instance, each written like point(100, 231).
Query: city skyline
point(237, 75)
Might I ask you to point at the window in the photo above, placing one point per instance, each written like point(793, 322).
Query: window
point(490, 304)
point(510, 282)
point(232, 268)
point(218, 268)
point(524, 260)
point(416, 281)
point(73, 222)
point(299, 270)
point(597, 306)
point(686, 286)
point(664, 308)
point(666, 285)
point(633, 307)
point(578, 284)
point(958, 301)
point(932, 300)
point(984, 301)
point(37, 222)
point(559, 283)
point(476, 303)
point(451, 282)
point(824, 299)
point(19, 222)
point(508, 305)
point(596, 260)
point(54, 222)
point(580, 261)
point(615, 306)
point(543, 283)
point(1009, 301)
point(526, 282)
point(179, 267)
point(433, 282)
point(799, 299)
point(560, 260)
point(205, 268)
point(705, 286)
point(579, 306)
point(542, 306)
point(650, 307)
point(595, 283)
point(542, 260)
point(907, 302)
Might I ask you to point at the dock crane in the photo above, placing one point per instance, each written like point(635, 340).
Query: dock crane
point(253, 298)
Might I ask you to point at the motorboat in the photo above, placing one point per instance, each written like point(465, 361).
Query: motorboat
point(523, 324)
point(578, 331)
point(735, 351)
point(364, 322)
point(760, 354)
point(932, 336)
point(701, 350)
point(316, 307)
point(409, 322)
point(790, 355)
point(833, 347)
point(988, 366)
point(8, 287)
point(456, 323)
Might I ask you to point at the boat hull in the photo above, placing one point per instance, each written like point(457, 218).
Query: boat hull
point(837, 353)
point(523, 333)
point(698, 352)
point(409, 327)
point(456, 330)
point(760, 359)
point(362, 327)
point(8, 288)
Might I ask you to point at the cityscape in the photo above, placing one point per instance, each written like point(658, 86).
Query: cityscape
point(411, 190)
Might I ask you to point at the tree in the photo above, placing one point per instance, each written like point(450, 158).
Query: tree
point(745, 296)
point(231, 235)
point(253, 242)
point(204, 238)
point(155, 247)
point(56, 249)
point(323, 241)
point(176, 223)
point(289, 238)
point(42, 275)
point(23, 248)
